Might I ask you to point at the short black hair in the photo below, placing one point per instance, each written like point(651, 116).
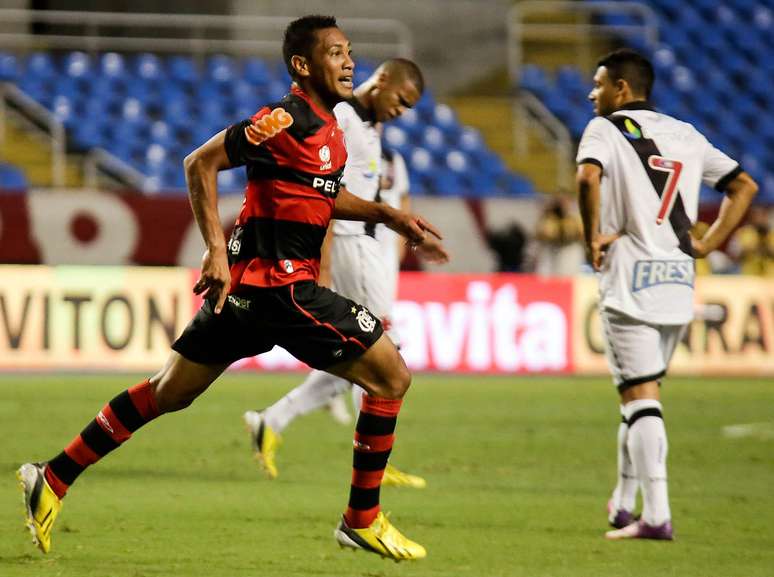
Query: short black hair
point(402, 68)
point(625, 64)
point(300, 37)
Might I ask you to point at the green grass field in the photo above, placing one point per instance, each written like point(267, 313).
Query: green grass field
point(519, 471)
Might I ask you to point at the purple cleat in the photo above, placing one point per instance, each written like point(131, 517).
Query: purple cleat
point(641, 530)
point(619, 518)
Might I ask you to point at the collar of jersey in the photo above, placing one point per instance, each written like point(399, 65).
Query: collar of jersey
point(364, 114)
point(327, 116)
point(637, 105)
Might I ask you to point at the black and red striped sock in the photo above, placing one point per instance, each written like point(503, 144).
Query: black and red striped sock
point(373, 443)
point(113, 425)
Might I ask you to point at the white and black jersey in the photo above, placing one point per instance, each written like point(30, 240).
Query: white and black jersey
point(653, 166)
point(397, 178)
point(364, 164)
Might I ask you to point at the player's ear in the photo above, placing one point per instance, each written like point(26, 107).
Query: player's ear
point(300, 64)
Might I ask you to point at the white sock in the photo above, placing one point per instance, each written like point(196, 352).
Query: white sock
point(648, 449)
point(318, 388)
point(357, 398)
point(625, 492)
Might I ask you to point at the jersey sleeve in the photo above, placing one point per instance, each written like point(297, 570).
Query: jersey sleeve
point(236, 143)
point(718, 168)
point(594, 147)
point(273, 122)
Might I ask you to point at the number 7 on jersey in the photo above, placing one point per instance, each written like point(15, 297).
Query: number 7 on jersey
point(673, 168)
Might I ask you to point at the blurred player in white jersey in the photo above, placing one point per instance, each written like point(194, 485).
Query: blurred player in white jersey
point(394, 191)
point(357, 267)
point(639, 175)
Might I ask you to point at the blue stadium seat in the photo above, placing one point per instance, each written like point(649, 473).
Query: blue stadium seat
point(148, 67)
point(9, 67)
point(112, 65)
point(183, 70)
point(421, 161)
point(397, 139)
point(77, 65)
point(255, 71)
point(41, 65)
point(447, 183)
point(12, 178)
point(533, 78)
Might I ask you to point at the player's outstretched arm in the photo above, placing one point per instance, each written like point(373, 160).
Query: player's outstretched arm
point(412, 226)
point(739, 194)
point(201, 172)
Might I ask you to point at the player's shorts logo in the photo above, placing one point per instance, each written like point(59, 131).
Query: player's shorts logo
point(239, 302)
point(325, 157)
point(288, 266)
point(649, 273)
point(365, 321)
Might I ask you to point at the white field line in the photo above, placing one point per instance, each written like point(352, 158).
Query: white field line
point(763, 431)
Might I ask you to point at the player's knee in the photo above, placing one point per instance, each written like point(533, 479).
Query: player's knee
point(169, 397)
point(398, 382)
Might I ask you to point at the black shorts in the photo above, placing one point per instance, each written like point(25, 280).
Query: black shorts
point(314, 324)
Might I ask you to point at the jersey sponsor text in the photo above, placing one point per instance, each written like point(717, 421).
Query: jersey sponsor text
point(649, 273)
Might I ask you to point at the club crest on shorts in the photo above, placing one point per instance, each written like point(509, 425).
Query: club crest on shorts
point(288, 266)
point(365, 321)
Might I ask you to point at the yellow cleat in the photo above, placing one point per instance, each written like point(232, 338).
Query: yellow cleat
point(41, 503)
point(380, 537)
point(396, 478)
point(265, 441)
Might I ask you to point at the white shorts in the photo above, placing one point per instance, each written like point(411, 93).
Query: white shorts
point(358, 272)
point(637, 352)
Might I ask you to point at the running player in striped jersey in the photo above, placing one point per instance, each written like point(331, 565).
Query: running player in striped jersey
point(260, 290)
point(639, 175)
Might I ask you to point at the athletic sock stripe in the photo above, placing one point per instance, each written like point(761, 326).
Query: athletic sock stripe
point(363, 461)
point(380, 407)
point(80, 452)
point(97, 439)
point(375, 443)
point(357, 519)
point(367, 479)
point(127, 413)
point(370, 424)
point(112, 425)
point(64, 468)
point(651, 412)
point(144, 400)
point(361, 499)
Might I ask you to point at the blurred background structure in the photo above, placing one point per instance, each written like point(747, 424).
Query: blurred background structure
point(101, 101)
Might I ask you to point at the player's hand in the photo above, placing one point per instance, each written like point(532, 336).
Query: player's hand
point(215, 279)
point(599, 247)
point(431, 249)
point(412, 226)
point(699, 248)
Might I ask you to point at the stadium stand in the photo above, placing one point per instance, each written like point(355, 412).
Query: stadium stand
point(150, 111)
point(720, 81)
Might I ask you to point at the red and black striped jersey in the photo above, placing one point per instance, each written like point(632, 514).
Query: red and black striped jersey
point(292, 183)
